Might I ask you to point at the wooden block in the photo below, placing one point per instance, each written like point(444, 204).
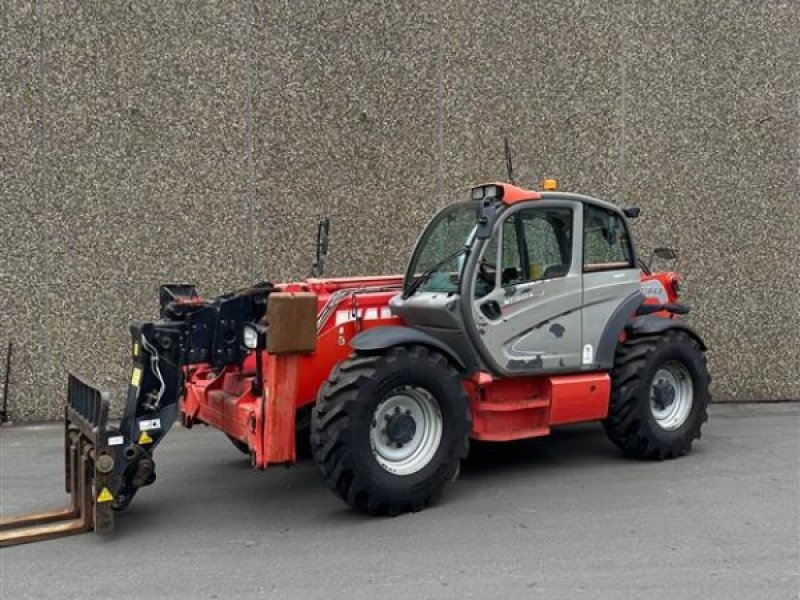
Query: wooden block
point(292, 322)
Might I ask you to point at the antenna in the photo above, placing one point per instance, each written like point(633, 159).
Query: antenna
point(323, 232)
point(509, 165)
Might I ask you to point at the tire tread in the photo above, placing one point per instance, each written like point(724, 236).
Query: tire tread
point(336, 409)
point(626, 425)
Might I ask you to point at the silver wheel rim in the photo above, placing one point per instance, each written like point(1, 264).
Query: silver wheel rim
point(671, 395)
point(406, 457)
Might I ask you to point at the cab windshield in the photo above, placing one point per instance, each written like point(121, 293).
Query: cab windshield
point(441, 253)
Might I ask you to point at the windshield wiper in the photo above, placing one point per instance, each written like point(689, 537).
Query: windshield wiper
point(425, 275)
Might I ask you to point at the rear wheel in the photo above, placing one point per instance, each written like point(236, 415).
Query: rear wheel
point(389, 430)
point(659, 395)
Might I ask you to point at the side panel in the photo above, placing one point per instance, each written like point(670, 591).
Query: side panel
point(578, 398)
point(603, 293)
point(539, 328)
point(439, 316)
point(514, 408)
point(511, 408)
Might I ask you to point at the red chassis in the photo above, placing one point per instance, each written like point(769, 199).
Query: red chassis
point(232, 401)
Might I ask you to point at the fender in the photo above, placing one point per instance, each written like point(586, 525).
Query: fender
point(648, 325)
point(381, 338)
point(614, 326)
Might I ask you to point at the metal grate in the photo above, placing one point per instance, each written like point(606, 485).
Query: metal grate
point(87, 406)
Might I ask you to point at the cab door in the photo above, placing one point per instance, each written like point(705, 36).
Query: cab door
point(611, 283)
point(527, 291)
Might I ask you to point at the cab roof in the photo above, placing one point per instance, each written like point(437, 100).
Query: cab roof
point(511, 194)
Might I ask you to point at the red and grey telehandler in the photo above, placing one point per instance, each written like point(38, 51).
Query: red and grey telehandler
point(519, 311)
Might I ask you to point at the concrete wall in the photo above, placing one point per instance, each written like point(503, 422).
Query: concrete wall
point(150, 141)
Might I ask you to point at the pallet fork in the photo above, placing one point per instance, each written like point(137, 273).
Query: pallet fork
point(89, 462)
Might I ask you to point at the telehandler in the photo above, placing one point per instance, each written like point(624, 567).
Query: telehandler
point(519, 311)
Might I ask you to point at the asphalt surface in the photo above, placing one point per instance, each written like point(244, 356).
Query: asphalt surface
point(564, 517)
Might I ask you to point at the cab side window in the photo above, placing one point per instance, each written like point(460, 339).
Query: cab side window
point(537, 245)
point(606, 243)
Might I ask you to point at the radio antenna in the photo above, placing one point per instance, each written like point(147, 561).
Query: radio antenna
point(323, 233)
point(509, 164)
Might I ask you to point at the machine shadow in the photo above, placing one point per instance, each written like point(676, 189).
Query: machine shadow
point(577, 444)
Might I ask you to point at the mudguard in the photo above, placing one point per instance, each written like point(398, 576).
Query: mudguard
point(381, 338)
point(648, 325)
point(616, 323)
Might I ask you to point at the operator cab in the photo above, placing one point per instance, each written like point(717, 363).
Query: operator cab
point(520, 282)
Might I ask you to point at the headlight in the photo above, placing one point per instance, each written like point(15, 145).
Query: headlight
point(252, 336)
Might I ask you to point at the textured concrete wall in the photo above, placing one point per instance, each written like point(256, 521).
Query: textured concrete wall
point(149, 141)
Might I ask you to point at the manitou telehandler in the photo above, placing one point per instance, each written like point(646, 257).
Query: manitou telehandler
point(519, 311)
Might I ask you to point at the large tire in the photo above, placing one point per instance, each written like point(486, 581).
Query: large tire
point(369, 452)
point(659, 395)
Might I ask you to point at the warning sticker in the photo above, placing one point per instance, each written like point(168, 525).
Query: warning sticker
point(149, 424)
point(116, 440)
point(105, 495)
point(588, 354)
point(145, 438)
point(136, 377)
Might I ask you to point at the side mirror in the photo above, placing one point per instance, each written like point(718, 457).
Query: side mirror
point(666, 253)
point(487, 213)
point(670, 255)
point(632, 212)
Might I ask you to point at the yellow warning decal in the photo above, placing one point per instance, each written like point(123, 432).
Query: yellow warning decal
point(135, 350)
point(105, 495)
point(136, 377)
point(144, 438)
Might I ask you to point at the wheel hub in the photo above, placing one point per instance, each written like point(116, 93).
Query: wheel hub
point(401, 428)
point(671, 395)
point(406, 430)
point(663, 394)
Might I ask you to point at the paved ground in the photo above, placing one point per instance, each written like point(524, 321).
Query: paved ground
point(560, 518)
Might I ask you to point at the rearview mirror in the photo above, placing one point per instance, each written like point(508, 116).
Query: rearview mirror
point(487, 213)
point(632, 212)
point(666, 254)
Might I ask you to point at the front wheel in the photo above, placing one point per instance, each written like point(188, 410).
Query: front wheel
point(389, 430)
point(659, 395)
